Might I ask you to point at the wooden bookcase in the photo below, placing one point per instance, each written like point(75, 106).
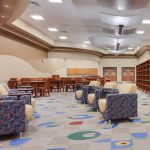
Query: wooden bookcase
point(110, 73)
point(128, 74)
point(143, 76)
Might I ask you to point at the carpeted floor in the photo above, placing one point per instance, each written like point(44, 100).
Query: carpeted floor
point(60, 123)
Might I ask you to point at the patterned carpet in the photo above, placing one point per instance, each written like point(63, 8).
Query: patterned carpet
point(60, 123)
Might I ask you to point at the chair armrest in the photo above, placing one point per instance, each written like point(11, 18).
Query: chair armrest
point(12, 117)
point(6, 97)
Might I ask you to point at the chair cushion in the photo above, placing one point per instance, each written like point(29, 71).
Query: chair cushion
point(102, 105)
point(3, 91)
point(91, 98)
point(111, 85)
point(94, 83)
point(28, 112)
point(6, 86)
point(127, 88)
point(79, 93)
point(33, 102)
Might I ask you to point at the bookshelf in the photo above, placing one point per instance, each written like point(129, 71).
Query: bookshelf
point(143, 76)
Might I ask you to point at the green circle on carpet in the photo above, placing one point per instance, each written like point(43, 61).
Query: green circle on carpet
point(84, 135)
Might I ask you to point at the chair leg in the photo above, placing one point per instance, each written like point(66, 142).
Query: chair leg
point(21, 135)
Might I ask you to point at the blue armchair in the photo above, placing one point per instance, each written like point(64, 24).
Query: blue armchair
point(98, 93)
point(81, 92)
point(21, 95)
point(121, 105)
point(12, 117)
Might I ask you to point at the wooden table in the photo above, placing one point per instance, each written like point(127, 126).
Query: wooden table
point(36, 85)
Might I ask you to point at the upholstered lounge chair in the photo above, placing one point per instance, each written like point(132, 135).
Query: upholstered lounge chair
point(121, 105)
point(81, 92)
point(12, 117)
point(93, 97)
point(5, 90)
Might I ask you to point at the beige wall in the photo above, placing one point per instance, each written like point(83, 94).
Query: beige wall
point(86, 61)
point(145, 56)
point(119, 63)
point(11, 66)
point(32, 55)
point(28, 61)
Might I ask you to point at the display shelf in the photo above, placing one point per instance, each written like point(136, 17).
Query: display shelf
point(143, 76)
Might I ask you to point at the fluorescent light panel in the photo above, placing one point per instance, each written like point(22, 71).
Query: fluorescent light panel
point(53, 29)
point(140, 32)
point(130, 48)
point(146, 21)
point(37, 17)
point(87, 42)
point(55, 1)
point(63, 37)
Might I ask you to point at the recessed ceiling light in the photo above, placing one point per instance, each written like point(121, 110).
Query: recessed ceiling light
point(3, 16)
point(146, 21)
point(53, 29)
point(130, 48)
point(87, 42)
point(55, 1)
point(140, 32)
point(7, 6)
point(63, 37)
point(37, 17)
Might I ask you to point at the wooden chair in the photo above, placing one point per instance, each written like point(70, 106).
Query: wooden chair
point(44, 87)
point(25, 82)
point(55, 84)
point(70, 83)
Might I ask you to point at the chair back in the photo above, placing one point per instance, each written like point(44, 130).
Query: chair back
point(110, 85)
point(94, 83)
point(127, 89)
point(3, 91)
point(25, 82)
point(6, 86)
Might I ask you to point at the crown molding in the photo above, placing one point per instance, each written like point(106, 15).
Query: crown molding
point(143, 50)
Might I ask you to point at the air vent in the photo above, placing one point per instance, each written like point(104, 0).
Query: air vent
point(108, 30)
point(129, 31)
point(35, 3)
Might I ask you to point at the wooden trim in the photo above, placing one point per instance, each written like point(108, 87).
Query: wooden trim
point(82, 71)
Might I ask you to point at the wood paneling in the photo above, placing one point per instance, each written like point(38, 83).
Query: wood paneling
point(110, 73)
point(128, 74)
point(82, 71)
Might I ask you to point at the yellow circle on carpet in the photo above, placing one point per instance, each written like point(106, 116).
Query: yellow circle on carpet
point(122, 143)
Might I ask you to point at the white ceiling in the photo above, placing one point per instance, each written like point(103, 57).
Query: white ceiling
point(80, 19)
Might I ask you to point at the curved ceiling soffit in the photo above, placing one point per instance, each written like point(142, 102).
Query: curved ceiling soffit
point(76, 50)
point(11, 10)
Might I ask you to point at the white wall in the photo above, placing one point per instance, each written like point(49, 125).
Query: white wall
point(86, 61)
point(11, 66)
point(119, 63)
point(145, 56)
